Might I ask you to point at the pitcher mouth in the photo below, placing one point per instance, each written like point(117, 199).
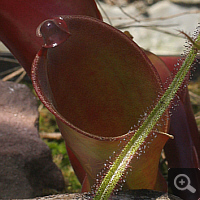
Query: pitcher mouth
point(51, 72)
point(48, 101)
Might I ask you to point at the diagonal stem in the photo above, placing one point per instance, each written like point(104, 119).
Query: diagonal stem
point(120, 164)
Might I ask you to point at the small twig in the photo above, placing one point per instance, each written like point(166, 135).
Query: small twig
point(128, 14)
point(8, 77)
point(104, 12)
point(197, 117)
point(146, 26)
point(9, 60)
point(52, 136)
point(172, 16)
point(154, 28)
point(9, 71)
point(165, 32)
point(123, 11)
point(21, 76)
point(159, 18)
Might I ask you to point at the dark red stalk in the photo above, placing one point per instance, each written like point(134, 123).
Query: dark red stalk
point(184, 151)
point(20, 19)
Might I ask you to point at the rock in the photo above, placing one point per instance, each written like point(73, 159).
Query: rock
point(155, 27)
point(133, 194)
point(26, 166)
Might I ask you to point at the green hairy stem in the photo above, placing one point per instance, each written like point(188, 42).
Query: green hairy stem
point(120, 164)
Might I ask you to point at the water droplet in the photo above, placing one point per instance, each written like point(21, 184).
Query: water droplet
point(54, 32)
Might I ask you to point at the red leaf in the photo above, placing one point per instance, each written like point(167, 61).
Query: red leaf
point(20, 19)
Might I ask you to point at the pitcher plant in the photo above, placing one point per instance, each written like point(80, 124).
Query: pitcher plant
point(101, 86)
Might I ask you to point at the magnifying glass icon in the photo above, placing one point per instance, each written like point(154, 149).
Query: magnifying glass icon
point(182, 182)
